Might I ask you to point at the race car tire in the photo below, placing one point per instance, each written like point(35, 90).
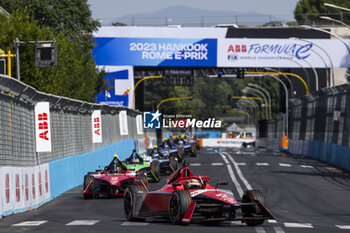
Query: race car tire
point(87, 180)
point(129, 201)
point(155, 167)
point(250, 196)
point(179, 202)
point(173, 161)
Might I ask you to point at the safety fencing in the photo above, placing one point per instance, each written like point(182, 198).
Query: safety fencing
point(319, 126)
point(49, 142)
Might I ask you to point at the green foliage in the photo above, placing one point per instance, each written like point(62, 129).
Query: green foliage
point(72, 17)
point(209, 96)
point(316, 8)
point(76, 75)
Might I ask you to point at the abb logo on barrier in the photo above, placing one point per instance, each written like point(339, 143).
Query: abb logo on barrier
point(42, 127)
point(237, 48)
point(96, 126)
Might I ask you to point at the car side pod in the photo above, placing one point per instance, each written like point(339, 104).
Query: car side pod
point(188, 215)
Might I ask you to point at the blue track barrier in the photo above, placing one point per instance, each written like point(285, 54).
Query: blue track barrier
point(69, 172)
point(331, 153)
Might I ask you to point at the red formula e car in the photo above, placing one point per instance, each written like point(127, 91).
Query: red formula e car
point(111, 181)
point(186, 198)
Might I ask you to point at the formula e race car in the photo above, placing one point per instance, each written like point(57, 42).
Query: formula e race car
point(168, 160)
point(137, 163)
point(186, 198)
point(181, 146)
point(187, 147)
point(111, 181)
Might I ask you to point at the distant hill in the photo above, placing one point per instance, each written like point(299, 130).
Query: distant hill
point(186, 16)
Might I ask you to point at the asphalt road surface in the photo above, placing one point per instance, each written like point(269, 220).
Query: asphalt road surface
point(303, 194)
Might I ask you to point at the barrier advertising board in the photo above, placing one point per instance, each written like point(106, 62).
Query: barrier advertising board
point(209, 47)
point(42, 127)
point(96, 124)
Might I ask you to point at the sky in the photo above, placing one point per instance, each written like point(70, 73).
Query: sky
point(109, 9)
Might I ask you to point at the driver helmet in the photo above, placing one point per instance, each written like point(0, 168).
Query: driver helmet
point(155, 146)
point(115, 156)
point(192, 184)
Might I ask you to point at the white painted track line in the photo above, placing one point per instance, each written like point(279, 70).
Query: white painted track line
point(298, 225)
point(306, 166)
point(278, 229)
point(262, 164)
point(29, 224)
point(260, 230)
point(217, 164)
point(241, 164)
point(127, 223)
point(343, 227)
point(224, 158)
point(195, 164)
point(235, 181)
point(285, 165)
point(239, 172)
point(271, 221)
point(82, 223)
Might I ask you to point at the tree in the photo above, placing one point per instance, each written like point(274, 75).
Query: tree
point(72, 17)
point(76, 76)
point(308, 11)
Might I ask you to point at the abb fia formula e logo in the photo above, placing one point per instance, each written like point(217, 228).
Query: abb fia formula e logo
point(233, 50)
point(42, 127)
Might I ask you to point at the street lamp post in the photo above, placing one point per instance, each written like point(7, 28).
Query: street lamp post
point(307, 75)
point(286, 77)
point(255, 92)
point(248, 110)
point(325, 52)
point(267, 94)
point(240, 111)
point(335, 6)
point(330, 33)
point(247, 106)
point(263, 74)
point(287, 100)
point(172, 99)
point(141, 80)
point(335, 20)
